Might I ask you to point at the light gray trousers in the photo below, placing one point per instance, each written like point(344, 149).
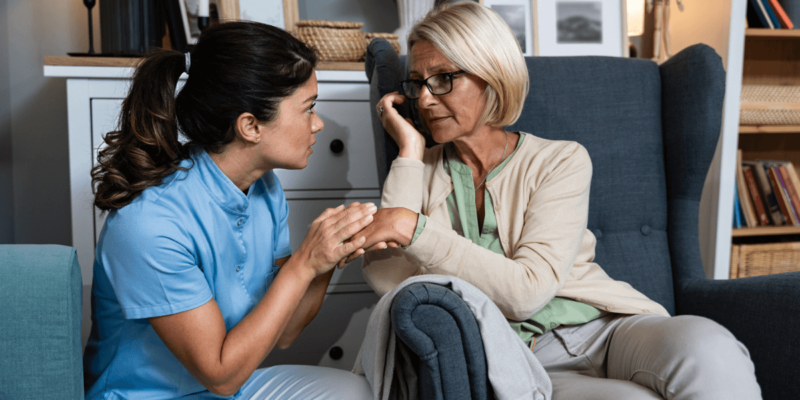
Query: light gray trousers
point(647, 357)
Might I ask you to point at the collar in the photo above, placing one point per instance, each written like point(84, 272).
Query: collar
point(218, 185)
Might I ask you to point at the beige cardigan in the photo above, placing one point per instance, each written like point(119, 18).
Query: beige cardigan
point(541, 202)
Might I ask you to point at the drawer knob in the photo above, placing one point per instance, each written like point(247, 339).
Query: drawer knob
point(337, 146)
point(336, 352)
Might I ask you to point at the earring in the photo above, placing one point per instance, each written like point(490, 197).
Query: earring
point(258, 140)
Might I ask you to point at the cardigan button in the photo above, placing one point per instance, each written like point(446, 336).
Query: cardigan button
point(645, 230)
point(598, 234)
point(497, 207)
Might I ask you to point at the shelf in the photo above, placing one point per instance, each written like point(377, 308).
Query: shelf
point(768, 129)
point(772, 33)
point(766, 231)
point(132, 62)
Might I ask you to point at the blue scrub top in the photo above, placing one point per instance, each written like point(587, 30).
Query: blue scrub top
point(172, 249)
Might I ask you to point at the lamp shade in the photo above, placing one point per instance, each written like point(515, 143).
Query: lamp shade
point(635, 17)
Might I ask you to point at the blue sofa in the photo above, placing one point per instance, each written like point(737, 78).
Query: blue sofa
point(40, 336)
point(651, 132)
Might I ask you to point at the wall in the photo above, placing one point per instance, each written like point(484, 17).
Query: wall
point(37, 28)
point(6, 182)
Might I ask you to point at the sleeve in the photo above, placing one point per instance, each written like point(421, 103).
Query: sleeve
point(147, 258)
point(554, 226)
point(420, 226)
point(403, 185)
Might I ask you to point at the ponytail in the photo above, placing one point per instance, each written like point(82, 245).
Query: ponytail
point(236, 67)
point(145, 148)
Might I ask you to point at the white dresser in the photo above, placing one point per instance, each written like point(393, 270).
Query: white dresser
point(341, 170)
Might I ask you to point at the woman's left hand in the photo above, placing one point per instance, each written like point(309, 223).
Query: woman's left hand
point(390, 227)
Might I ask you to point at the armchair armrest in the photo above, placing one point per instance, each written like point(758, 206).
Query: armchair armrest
point(439, 328)
point(763, 313)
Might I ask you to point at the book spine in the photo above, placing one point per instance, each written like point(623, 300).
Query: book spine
point(764, 15)
point(781, 14)
point(768, 196)
point(790, 188)
point(776, 187)
point(790, 211)
point(751, 184)
point(737, 209)
point(772, 16)
point(744, 198)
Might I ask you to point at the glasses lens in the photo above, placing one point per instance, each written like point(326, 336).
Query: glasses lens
point(440, 84)
point(412, 89)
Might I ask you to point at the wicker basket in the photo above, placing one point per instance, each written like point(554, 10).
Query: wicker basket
point(764, 259)
point(390, 37)
point(770, 105)
point(335, 41)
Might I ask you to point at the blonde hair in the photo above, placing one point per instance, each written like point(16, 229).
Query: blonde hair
point(476, 39)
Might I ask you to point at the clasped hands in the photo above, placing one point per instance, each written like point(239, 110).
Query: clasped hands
point(340, 235)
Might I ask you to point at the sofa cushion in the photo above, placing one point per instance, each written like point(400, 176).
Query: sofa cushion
point(40, 337)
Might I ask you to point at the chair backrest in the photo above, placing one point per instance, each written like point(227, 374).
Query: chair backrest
point(630, 115)
point(40, 333)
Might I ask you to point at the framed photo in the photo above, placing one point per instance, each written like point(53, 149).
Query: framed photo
point(581, 28)
point(518, 16)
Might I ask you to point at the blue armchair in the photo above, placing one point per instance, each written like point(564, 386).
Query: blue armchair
point(651, 132)
point(40, 336)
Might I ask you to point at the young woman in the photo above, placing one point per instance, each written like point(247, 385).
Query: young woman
point(194, 280)
point(507, 212)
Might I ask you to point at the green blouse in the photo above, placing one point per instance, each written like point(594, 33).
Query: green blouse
point(464, 218)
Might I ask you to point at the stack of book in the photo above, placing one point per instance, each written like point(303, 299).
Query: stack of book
point(767, 193)
point(767, 14)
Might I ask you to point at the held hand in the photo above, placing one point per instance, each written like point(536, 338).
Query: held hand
point(328, 238)
point(391, 227)
point(410, 141)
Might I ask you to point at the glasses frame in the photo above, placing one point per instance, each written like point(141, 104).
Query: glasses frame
point(449, 75)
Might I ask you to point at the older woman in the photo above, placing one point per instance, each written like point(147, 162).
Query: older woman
point(507, 212)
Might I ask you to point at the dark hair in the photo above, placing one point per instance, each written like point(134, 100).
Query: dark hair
point(236, 67)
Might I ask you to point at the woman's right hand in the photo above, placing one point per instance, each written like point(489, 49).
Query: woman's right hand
point(410, 141)
point(327, 241)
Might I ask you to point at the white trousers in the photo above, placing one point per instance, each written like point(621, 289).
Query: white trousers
point(647, 357)
point(284, 382)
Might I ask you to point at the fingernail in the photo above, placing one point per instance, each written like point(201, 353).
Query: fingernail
point(368, 219)
point(340, 206)
point(361, 239)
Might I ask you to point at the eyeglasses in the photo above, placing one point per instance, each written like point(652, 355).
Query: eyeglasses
point(438, 84)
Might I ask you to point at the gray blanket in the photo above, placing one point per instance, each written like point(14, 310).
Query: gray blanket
point(514, 372)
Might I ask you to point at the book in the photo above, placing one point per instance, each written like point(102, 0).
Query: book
point(737, 210)
point(744, 199)
point(793, 175)
point(775, 23)
point(783, 199)
point(761, 211)
point(791, 189)
point(765, 189)
point(761, 14)
point(781, 14)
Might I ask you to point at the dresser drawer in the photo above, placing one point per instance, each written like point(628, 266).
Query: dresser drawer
point(341, 322)
point(353, 166)
point(301, 214)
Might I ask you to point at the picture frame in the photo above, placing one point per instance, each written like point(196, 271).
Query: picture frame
point(518, 14)
point(220, 11)
point(580, 28)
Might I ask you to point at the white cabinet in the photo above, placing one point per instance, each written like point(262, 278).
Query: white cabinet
point(340, 172)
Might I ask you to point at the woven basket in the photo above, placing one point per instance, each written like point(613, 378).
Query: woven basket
point(390, 37)
point(770, 105)
point(335, 41)
point(764, 259)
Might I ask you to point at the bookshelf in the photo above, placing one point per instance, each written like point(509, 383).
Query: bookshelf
point(771, 57)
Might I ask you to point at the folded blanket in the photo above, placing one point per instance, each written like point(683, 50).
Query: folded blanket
point(514, 372)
